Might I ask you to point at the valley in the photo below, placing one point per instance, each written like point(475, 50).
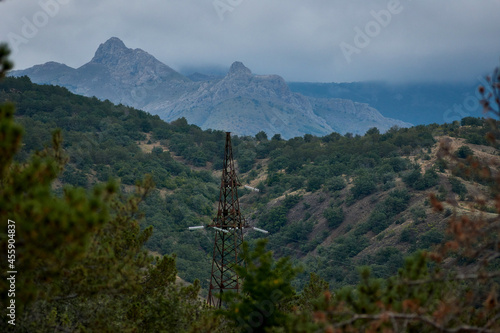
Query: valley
point(347, 200)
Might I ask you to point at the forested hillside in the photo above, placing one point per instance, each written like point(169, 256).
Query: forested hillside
point(331, 203)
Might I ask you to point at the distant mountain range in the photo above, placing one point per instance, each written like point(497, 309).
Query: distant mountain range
point(240, 102)
point(417, 103)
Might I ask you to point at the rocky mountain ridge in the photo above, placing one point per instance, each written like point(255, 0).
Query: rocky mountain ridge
point(241, 102)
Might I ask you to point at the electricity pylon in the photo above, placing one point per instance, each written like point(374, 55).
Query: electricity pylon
point(228, 227)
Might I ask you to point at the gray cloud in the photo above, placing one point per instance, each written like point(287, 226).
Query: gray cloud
point(298, 39)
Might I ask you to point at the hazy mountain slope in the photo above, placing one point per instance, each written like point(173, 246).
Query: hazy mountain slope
point(242, 103)
point(416, 103)
point(345, 115)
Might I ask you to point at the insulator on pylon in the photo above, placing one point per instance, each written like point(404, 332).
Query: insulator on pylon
point(219, 229)
point(198, 227)
point(260, 230)
point(252, 188)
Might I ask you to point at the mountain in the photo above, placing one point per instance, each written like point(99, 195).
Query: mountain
point(240, 102)
point(116, 73)
point(246, 104)
point(417, 103)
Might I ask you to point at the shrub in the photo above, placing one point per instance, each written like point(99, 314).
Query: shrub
point(471, 121)
point(464, 152)
point(430, 238)
point(364, 185)
point(458, 187)
point(418, 214)
point(336, 184)
point(420, 182)
point(334, 216)
point(314, 183)
point(407, 235)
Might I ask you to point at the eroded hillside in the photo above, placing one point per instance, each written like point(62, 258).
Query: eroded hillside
point(332, 203)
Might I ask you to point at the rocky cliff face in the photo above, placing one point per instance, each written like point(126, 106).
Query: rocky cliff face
point(122, 75)
point(240, 102)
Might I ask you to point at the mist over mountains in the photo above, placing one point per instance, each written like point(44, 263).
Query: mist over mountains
point(415, 102)
point(240, 102)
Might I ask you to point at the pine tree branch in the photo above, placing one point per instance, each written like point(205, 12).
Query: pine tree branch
point(414, 317)
point(458, 277)
point(64, 298)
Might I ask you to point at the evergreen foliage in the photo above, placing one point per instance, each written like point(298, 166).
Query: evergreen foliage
point(267, 287)
point(88, 222)
point(81, 256)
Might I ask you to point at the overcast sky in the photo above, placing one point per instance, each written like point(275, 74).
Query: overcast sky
point(301, 40)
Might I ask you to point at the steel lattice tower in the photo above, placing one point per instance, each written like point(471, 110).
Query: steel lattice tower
point(228, 227)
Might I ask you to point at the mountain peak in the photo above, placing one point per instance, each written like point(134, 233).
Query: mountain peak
point(112, 48)
point(115, 41)
point(237, 68)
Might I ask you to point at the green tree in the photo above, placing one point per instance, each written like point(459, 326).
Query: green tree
point(336, 184)
point(261, 136)
point(458, 187)
point(334, 216)
point(453, 289)
point(266, 290)
point(80, 255)
point(276, 137)
point(464, 152)
point(311, 292)
point(5, 63)
point(364, 185)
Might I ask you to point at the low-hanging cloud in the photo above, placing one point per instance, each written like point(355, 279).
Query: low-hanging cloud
point(426, 40)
